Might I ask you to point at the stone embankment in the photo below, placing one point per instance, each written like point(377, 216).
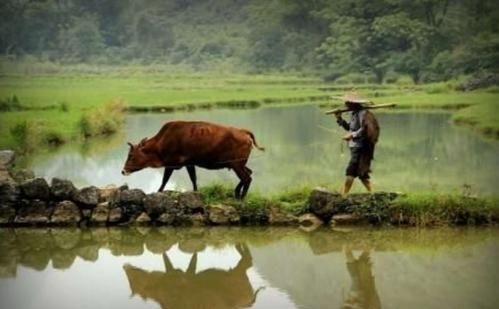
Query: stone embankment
point(26, 200)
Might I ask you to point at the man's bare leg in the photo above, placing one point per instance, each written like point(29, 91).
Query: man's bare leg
point(348, 185)
point(367, 184)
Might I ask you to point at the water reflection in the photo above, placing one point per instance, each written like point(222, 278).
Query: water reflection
point(211, 288)
point(228, 268)
point(362, 294)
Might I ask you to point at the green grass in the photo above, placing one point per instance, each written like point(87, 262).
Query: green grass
point(415, 209)
point(482, 117)
point(56, 103)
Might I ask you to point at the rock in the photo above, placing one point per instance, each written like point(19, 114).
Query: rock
point(87, 197)
point(36, 189)
point(324, 204)
point(156, 204)
point(347, 219)
point(62, 189)
point(134, 196)
point(33, 212)
point(22, 175)
point(100, 214)
point(7, 214)
point(197, 219)
point(107, 193)
point(191, 201)
point(10, 193)
point(115, 215)
point(131, 203)
point(278, 216)
point(86, 213)
point(7, 158)
point(221, 214)
point(66, 212)
point(143, 218)
point(309, 222)
point(166, 218)
point(5, 177)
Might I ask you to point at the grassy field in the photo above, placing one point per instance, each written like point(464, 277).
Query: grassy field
point(53, 108)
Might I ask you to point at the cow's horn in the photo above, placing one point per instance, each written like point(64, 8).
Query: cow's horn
point(130, 144)
point(143, 141)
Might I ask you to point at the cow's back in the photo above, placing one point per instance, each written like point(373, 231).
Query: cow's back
point(203, 143)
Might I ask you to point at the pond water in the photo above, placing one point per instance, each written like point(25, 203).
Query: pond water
point(251, 267)
point(416, 152)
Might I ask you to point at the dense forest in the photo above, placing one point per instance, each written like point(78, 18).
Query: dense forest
point(428, 40)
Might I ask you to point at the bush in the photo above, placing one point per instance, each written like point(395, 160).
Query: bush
point(104, 121)
point(10, 104)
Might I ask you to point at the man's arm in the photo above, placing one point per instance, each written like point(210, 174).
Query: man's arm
point(341, 122)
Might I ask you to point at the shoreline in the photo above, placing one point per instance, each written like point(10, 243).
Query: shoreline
point(26, 201)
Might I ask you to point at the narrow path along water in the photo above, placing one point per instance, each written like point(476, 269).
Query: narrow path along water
point(417, 151)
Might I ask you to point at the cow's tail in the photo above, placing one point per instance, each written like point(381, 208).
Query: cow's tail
point(254, 141)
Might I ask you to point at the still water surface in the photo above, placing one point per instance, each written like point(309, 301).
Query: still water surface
point(219, 268)
point(416, 152)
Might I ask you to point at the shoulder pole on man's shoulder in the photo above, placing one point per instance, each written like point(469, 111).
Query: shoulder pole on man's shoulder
point(344, 110)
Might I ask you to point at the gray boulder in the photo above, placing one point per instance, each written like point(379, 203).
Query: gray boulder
point(278, 216)
point(309, 222)
point(7, 214)
point(100, 214)
point(10, 193)
point(36, 189)
point(7, 158)
point(155, 204)
point(143, 218)
point(133, 196)
point(87, 197)
point(222, 214)
point(324, 204)
point(66, 213)
point(115, 215)
point(62, 189)
point(107, 193)
point(347, 219)
point(22, 175)
point(192, 202)
point(33, 212)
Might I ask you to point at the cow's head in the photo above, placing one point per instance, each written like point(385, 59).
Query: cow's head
point(138, 158)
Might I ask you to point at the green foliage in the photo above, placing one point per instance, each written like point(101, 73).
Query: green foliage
point(10, 104)
point(103, 121)
point(428, 40)
point(445, 209)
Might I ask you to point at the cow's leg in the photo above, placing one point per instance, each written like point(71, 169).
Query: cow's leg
point(246, 185)
point(166, 176)
point(248, 170)
point(245, 180)
point(191, 169)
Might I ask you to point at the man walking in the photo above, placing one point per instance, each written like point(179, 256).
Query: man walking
point(363, 133)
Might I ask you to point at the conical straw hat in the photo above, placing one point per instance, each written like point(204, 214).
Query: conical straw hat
point(354, 97)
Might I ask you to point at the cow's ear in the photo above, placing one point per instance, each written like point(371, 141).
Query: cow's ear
point(143, 141)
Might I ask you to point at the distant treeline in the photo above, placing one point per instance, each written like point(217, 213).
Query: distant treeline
point(428, 40)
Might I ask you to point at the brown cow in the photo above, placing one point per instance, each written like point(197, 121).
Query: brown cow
point(195, 143)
